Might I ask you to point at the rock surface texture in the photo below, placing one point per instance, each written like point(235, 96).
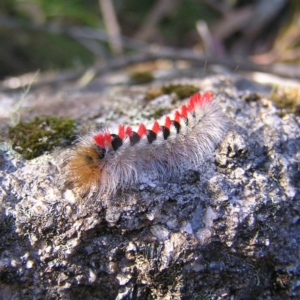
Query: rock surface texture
point(227, 229)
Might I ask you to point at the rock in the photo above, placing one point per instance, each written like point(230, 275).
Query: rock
point(230, 226)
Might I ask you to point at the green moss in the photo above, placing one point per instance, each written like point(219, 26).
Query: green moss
point(181, 90)
point(287, 99)
point(33, 138)
point(141, 77)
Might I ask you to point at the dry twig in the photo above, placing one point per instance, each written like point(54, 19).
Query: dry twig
point(112, 26)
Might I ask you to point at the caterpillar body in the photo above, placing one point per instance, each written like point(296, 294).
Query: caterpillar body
point(104, 162)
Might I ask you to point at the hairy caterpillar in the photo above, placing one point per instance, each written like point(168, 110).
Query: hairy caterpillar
point(104, 162)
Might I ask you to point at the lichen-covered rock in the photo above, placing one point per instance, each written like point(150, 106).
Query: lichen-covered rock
point(228, 229)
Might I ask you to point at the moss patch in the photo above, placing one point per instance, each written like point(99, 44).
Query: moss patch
point(287, 99)
point(140, 77)
point(33, 138)
point(181, 90)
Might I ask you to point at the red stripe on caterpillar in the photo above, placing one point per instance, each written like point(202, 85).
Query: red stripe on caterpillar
point(105, 162)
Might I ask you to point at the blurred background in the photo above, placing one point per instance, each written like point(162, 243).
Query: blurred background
point(67, 34)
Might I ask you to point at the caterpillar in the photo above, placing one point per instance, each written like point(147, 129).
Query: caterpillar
point(104, 162)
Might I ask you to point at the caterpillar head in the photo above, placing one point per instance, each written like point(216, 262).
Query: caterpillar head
point(85, 166)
